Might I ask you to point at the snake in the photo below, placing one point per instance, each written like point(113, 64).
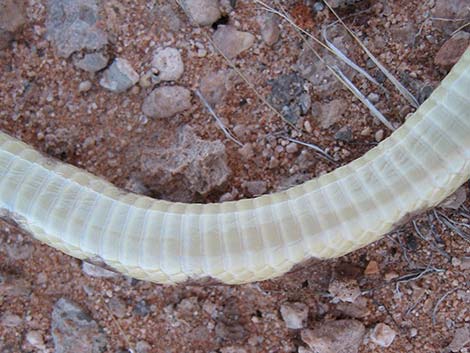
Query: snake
point(415, 168)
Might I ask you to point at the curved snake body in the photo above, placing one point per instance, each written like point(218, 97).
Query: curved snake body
point(420, 164)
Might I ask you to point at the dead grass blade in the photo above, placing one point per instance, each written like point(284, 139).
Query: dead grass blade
point(407, 94)
point(217, 119)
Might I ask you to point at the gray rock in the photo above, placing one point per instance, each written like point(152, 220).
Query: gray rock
point(269, 27)
point(97, 272)
point(91, 62)
point(166, 101)
point(202, 12)
point(460, 340)
point(119, 77)
point(12, 20)
point(288, 96)
point(344, 134)
point(232, 42)
point(143, 347)
point(190, 168)
point(84, 86)
point(340, 336)
point(169, 64)
point(256, 187)
point(383, 335)
point(75, 331)
point(294, 315)
point(72, 26)
point(214, 86)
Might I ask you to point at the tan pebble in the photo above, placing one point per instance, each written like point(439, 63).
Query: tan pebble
point(372, 268)
point(379, 135)
point(366, 131)
point(390, 276)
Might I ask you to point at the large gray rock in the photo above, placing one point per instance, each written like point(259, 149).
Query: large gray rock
point(72, 26)
point(74, 331)
point(191, 168)
point(340, 336)
point(202, 12)
point(12, 19)
point(166, 101)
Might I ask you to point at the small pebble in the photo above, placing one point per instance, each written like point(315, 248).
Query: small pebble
point(168, 63)
point(84, 86)
point(374, 98)
point(379, 135)
point(372, 268)
point(292, 148)
point(35, 339)
point(294, 315)
point(383, 335)
point(119, 77)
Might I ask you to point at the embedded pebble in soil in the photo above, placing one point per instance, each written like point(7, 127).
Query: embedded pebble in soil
point(255, 188)
point(190, 168)
point(269, 27)
point(232, 42)
point(295, 315)
point(346, 290)
point(330, 113)
point(215, 85)
point(166, 101)
point(343, 336)
point(383, 335)
point(460, 340)
point(75, 331)
point(168, 63)
point(202, 12)
point(12, 20)
point(452, 50)
point(119, 77)
point(97, 271)
point(91, 62)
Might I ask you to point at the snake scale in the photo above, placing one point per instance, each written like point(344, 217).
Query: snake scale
point(419, 165)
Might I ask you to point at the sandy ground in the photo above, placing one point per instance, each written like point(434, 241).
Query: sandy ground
point(105, 133)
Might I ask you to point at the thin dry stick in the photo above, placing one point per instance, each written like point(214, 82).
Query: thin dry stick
point(239, 73)
point(126, 338)
point(434, 311)
point(313, 147)
point(348, 61)
point(217, 119)
point(411, 99)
